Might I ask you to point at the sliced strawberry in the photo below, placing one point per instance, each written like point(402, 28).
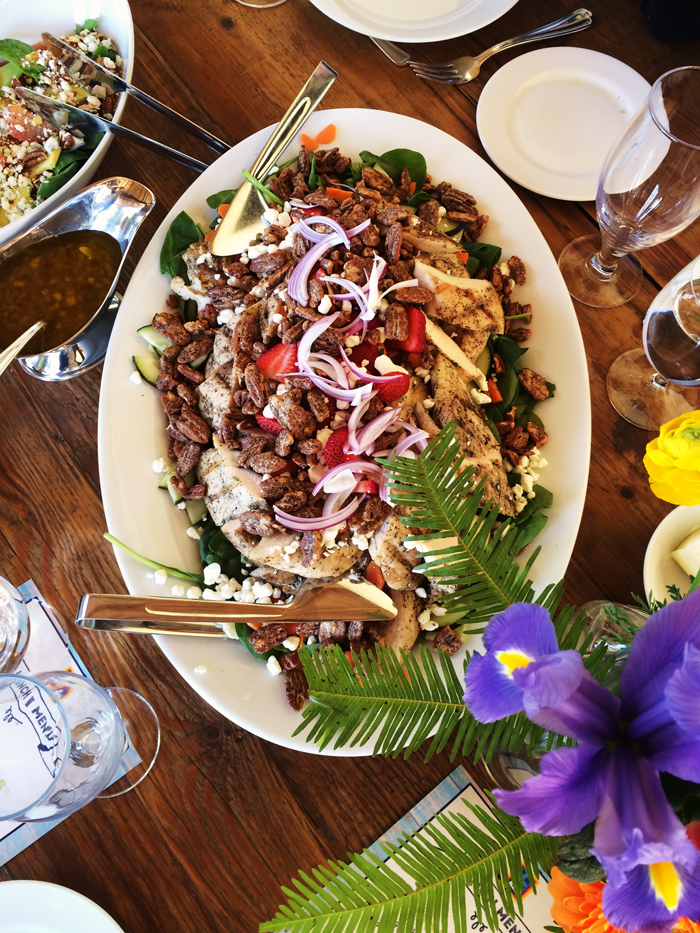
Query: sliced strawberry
point(362, 352)
point(395, 389)
point(269, 424)
point(278, 360)
point(368, 487)
point(333, 451)
point(415, 342)
point(348, 458)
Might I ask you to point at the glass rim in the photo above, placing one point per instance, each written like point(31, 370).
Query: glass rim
point(666, 132)
point(5, 678)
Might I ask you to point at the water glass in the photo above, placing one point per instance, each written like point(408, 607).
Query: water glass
point(14, 627)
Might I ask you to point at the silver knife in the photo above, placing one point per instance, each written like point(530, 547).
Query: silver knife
point(82, 123)
point(341, 601)
point(86, 70)
point(395, 55)
point(243, 220)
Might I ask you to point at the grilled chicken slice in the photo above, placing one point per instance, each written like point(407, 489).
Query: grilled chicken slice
point(215, 394)
point(231, 489)
point(405, 628)
point(426, 238)
point(395, 561)
point(470, 305)
point(452, 403)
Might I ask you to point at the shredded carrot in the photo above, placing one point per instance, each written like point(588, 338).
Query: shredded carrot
point(209, 236)
point(463, 256)
point(338, 194)
point(350, 655)
point(412, 187)
point(309, 142)
point(492, 390)
point(327, 134)
point(223, 209)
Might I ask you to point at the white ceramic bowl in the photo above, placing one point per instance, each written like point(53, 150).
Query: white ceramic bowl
point(27, 21)
point(660, 569)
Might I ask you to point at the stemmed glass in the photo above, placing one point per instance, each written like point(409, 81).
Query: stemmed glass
point(648, 389)
point(61, 739)
point(14, 627)
point(648, 191)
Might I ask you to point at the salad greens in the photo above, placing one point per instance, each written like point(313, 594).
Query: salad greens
point(395, 160)
point(14, 50)
point(182, 233)
point(215, 548)
point(69, 163)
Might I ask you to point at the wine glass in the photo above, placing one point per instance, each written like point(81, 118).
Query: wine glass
point(62, 739)
point(648, 191)
point(650, 389)
point(14, 627)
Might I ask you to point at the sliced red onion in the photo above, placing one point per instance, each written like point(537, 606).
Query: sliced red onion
point(330, 366)
point(375, 428)
point(315, 331)
point(331, 389)
point(356, 371)
point(372, 286)
point(352, 292)
point(355, 466)
point(297, 286)
point(353, 425)
point(333, 224)
point(411, 283)
point(359, 228)
point(335, 502)
point(414, 438)
point(295, 202)
point(384, 490)
point(317, 524)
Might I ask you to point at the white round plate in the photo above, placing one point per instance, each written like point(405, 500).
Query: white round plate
point(27, 21)
point(131, 426)
point(549, 117)
point(660, 569)
point(39, 907)
point(414, 20)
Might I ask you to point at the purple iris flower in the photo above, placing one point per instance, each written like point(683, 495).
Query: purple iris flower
point(612, 776)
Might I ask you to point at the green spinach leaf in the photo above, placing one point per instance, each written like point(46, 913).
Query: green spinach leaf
point(183, 233)
point(487, 254)
point(215, 548)
point(418, 197)
point(14, 50)
point(69, 163)
point(89, 24)
point(395, 160)
point(103, 52)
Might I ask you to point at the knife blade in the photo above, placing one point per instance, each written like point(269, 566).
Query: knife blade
point(396, 55)
point(341, 601)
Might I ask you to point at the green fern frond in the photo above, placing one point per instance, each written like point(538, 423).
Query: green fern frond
point(480, 849)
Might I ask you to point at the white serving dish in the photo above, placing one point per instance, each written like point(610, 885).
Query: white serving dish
point(27, 22)
point(660, 569)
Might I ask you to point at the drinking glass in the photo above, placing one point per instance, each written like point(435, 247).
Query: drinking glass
point(649, 389)
point(648, 191)
point(61, 741)
point(14, 627)
point(260, 3)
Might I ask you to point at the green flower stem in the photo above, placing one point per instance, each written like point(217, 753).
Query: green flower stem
point(171, 571)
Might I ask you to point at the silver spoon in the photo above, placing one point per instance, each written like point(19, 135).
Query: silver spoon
point(9, 353)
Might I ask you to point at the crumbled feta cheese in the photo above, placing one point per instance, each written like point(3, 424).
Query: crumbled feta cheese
point(159, 465)
point(136, 378)
point(272, 247)
point(324, 305)
point(479, 398)
point(361, 541)
point(229, 630)
point(383, 364)
point(225, 315)
point(323, 434)
point(160, 576)
point(193, 532)
point(283, 219)
point(212, 595)
point(277, 318)
point(177, 590)
point(428, 403)
point(292, 643)
point(420, 591)
point(267, 412)
point(273, 666)
point(291, 548)
point(261, 590)
point(258, 249)
point(353, 341)
point(182, 505)
point(270, 216)
point(426, 621)
point(194, 592)
point(211, 572)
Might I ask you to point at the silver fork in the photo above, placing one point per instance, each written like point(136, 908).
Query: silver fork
point(464, 69)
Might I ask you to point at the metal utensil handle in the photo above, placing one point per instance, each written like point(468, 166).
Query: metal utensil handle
point(396, 55)
point(580, 19)
point(150, 627)
point(192, 128)
point(173, 611)
point(9, 353)
point(148, 143)
point(308, 98)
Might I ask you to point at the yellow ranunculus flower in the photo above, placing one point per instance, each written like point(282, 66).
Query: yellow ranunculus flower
point(673, 461)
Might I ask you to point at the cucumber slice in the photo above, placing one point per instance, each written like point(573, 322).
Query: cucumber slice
point(196, 509)
point(148, 367)
point(200, 361)
point(158, 341)
point(174, 494)
point(483, 361)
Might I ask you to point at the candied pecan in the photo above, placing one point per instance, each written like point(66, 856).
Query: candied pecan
point(233, 268)
point(307, 628)
point(332, 633)
point(172, 302)
point(290, 660)
point(310, 446)
point(310, 547)
point(329, 342)
point(429, 211)
point(475, 229)
point(245, 333)
point(517, 270)
point(454, 199)
point(257, 384)
point(370, 516)
point(240, 397)
point(414, 295)
point(392, 242)
point(318, 403)
point(228, 432)
point(376, 405)
point(538, 435)
point(192, 425)
point(187, 393)
point(288, 332)
point(274, 279)
point(191, 375)
point(304, 161)
point(497, 364)
point(197, 328)
point(447, 639)
point(370, 235)
point(274, 234)
point(166, 383)
point(170, 325)
point(194, 350)
point(462, 217)
point(354, 630)
point(358, 214)
point(373, 178)
point(196, 491)
point(296, 687)
point(399, 272)
point(268, 636)
point(517, 309)
point(316, 293)
point(367, 193)
point(306, 314)
point(517, 439)
point(298, 459)
point(259, 523)
point(266, 462)
point(298, 382)
point(268, 262)
point(301, 189)
point(209, 315)
point(319, 198)
point(519, 334)
point(225, 296)
point(292, 501)
point(175, 435)
point(188, 458)
point(292, 416)
point(512, 456)
point(354, 270)
point(392, 215)
point(396, 322)
point(171, 403)
point(533, 383)
point(282, 184)
point(403, 191)
point(284, 443)
point(250, 408)
point(275, 487)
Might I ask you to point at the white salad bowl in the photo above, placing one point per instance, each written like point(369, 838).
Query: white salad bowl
point(27, 22)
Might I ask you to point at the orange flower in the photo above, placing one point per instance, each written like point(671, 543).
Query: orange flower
point(578, 908)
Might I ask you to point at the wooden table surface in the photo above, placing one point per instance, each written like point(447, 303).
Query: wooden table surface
point(226, 818)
